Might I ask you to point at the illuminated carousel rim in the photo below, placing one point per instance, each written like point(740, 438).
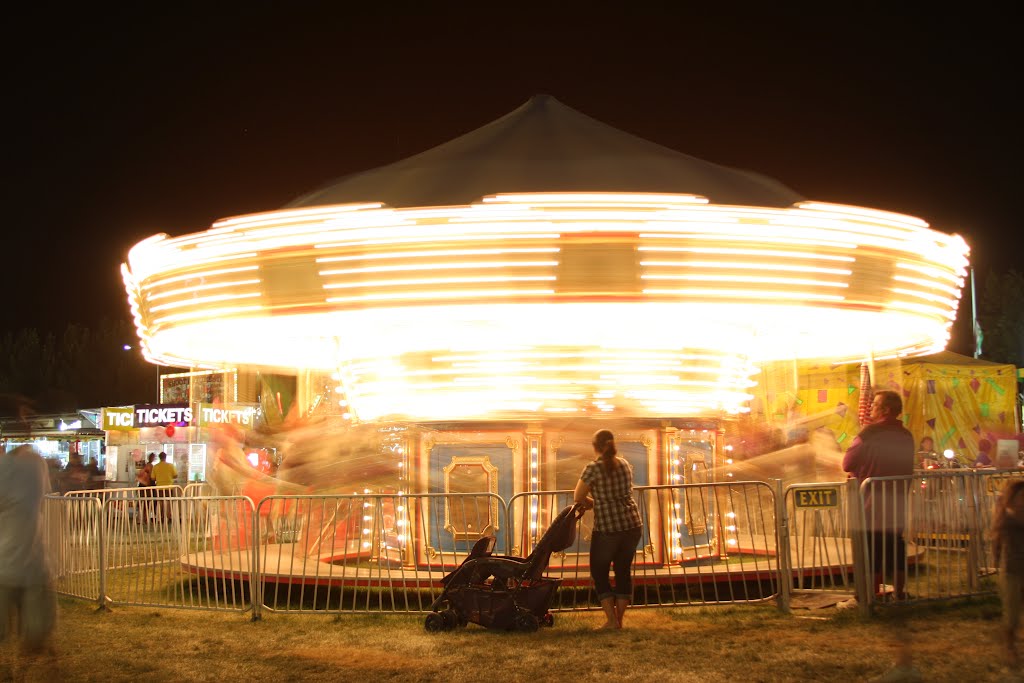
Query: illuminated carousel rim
point(384, 293)
point(561, 248)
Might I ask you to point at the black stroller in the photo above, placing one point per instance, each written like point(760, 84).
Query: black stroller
point(500, 591)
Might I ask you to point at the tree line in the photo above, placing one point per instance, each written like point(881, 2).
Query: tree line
point(83, 367)
point(1001, 317)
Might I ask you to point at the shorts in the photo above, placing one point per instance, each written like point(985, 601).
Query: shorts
point(33, 607)
point(888, 550)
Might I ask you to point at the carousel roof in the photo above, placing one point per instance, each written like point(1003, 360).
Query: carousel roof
point(545, 146)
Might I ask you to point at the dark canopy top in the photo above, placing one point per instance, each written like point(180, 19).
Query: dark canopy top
point(545, 146)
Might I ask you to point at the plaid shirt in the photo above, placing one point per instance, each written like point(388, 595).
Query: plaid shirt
point(614, 507)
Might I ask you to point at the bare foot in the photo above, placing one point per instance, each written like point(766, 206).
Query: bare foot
point(607, 626)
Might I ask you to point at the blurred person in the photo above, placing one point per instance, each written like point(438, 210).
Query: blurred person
point(926, 456)
point(144, 476)
point(75, 476)
point(27, 599)
point(1008, 548)
point(96, 475)
point(828, 455)
point(984, 458)
point(606, 485)
point(53, 467)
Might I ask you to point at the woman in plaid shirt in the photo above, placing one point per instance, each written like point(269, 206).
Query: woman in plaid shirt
point(606, 485)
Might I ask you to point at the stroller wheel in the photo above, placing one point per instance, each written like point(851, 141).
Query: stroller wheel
point(525, 621)
point(452, 619)
point(548, 619)
point(434, 622)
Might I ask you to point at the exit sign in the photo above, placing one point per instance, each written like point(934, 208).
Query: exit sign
point(817, 498)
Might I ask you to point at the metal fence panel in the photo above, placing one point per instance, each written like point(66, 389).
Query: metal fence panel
point(819, 536)
point(945, 518)
point(726, 542)
point(73, 537)
point(366, 553)
point(158, 552)
point(701, 544)
point(199, 490)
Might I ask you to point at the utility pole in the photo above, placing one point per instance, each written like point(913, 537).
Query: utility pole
point(975, 328)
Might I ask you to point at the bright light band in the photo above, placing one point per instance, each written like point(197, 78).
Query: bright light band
point(581, 303)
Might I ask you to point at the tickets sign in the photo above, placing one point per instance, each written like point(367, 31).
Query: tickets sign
point(232, 413)
point(118, 419)
point(163, 414)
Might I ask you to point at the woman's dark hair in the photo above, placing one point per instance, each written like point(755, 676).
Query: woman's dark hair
point(604, 443)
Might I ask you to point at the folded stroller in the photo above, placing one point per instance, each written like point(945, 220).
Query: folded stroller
point(501, 591)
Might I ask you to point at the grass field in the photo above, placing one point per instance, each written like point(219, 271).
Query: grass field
point(951, 642)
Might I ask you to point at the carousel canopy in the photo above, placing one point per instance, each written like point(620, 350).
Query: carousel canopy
point(546, 263)
point(545, 146)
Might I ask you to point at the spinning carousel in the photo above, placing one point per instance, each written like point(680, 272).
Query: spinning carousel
point(506, 293)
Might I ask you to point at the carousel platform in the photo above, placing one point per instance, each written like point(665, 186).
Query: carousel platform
point(281, 563)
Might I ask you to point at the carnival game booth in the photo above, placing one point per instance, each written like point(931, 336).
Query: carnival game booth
point(544, 267)
point(956, 400)
point(58, 437)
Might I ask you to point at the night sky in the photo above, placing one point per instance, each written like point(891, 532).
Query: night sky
point(160, 119)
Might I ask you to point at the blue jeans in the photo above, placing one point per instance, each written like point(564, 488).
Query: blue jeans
point(613, 549)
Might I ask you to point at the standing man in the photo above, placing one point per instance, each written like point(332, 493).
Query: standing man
point(885, 448)
point(26, 595)
point(164, 474)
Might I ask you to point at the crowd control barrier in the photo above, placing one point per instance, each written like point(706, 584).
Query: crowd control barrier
point(712, 543)
point(366, 552)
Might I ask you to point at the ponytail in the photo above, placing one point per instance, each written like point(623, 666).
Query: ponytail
point(604, 445)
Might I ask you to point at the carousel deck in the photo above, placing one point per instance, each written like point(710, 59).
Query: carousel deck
point(280, 564)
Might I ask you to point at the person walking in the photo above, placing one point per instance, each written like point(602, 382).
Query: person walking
point(26, 594)
point(1008, 548)
point(606, 485)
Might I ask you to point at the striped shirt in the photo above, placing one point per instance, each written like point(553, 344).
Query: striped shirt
point(614, 507)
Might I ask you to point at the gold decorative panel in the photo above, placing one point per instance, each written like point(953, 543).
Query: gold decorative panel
point(469, 517)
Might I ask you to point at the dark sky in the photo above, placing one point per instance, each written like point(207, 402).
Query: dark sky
point(162, 119)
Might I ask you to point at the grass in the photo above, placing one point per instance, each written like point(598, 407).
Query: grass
point(951, 642)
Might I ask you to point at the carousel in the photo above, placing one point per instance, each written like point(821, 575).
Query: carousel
point(484, 306)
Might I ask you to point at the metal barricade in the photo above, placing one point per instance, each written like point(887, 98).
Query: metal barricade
point(944, 520)
point(366, 552)
point(136, 502)
point(174, 555)
point(990, 484)
point(74, 539)
point(701, 544)
point(818, 537)
point(725, 542)
point(199, 490)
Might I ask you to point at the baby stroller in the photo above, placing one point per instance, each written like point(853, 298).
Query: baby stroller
point(501, 591)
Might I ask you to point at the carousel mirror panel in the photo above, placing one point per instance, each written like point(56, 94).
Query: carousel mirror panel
point(472, 473)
